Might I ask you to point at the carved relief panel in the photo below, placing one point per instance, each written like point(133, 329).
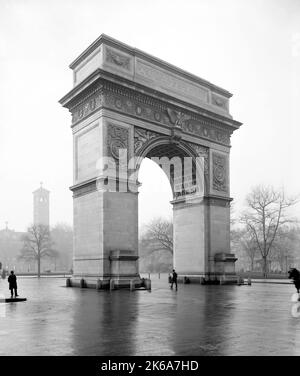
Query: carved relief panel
point(219, 173)
point(117, 139)
point(141, 137)
point(117, 151)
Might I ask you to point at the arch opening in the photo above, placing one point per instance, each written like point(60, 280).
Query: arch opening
point(184, 169)
point(154, 214)
point(180, 176)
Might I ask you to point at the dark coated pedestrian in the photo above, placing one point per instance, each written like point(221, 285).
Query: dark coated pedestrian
point(12, 280)
point(174, 279)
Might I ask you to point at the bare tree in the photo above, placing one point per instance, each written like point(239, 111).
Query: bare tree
point(160, 232)
point(265, 215)
point(156, 246)
point(37, 245)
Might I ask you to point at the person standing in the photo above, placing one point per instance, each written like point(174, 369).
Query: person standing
point(174, 279)
point(12, 280)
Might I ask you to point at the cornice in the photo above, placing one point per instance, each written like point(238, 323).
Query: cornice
point(67, 99)
point(78, 94)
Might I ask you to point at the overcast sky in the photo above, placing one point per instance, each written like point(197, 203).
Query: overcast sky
point(251, 48)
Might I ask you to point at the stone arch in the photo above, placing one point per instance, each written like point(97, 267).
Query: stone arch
point(125, 98)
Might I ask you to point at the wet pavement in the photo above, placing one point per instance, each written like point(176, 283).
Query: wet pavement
point(195, 320)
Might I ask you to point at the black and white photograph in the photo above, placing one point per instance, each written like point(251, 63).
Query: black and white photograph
point(150, 185)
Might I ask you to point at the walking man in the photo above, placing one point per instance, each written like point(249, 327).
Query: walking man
point(12, 280)
point(174, 279)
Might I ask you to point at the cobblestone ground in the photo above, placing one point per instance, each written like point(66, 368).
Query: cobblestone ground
point(195, 320)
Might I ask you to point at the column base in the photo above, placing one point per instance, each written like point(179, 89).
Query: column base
point(109, 283)
point(209, 279)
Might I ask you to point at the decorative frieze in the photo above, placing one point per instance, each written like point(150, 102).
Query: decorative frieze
point(219, 171)
point(150, 109)
point(177, 118)
point(204, 130)
point(188, 122)
point(88, 104)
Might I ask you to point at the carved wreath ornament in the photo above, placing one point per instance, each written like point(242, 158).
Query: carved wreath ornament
point(117, 59)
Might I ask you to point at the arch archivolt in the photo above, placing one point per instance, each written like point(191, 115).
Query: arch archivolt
point(153, 145)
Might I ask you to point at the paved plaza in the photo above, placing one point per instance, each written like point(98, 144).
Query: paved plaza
point(195, 320)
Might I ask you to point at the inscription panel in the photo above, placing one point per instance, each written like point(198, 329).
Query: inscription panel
point(168, 82)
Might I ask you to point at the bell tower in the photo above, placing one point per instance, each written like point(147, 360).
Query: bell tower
point(41, 206)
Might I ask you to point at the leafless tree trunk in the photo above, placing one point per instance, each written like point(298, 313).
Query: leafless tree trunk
point(37, 244)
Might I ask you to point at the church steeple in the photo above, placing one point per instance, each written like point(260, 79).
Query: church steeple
point(41, 206)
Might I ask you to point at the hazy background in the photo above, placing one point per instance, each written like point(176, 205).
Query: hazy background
point(251, 48)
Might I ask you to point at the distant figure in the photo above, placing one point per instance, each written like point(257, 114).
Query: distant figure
point(12, 280)
point(3, 274)
point(174, 279)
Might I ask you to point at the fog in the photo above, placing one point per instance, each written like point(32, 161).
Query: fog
point(250, 48)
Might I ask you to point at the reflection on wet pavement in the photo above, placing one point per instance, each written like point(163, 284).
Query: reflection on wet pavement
point(195, 320)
